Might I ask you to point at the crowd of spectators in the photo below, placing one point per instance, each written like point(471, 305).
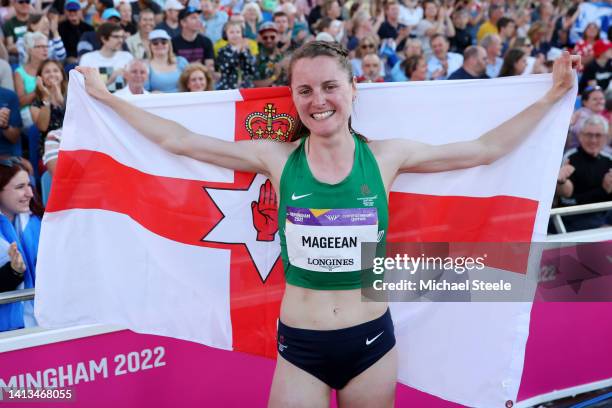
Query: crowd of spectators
point(160, 46)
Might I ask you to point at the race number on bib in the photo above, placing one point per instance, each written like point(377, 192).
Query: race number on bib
point(329, 240)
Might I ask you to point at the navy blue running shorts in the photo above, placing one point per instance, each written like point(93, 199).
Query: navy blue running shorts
point(337, 356)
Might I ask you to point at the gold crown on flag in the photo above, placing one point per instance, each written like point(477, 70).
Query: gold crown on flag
point(269, 125)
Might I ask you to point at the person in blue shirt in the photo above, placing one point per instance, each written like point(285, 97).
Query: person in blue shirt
point(10, 123)
point(20, 216)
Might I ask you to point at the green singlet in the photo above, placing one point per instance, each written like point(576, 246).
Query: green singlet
point(322, 226)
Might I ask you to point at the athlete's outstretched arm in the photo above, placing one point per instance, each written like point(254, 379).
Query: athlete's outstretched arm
point(411, 156)
point(253, 156)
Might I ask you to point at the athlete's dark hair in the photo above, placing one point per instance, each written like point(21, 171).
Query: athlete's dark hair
point(315, 49)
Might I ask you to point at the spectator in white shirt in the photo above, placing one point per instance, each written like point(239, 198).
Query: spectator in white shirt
point(109, 60)
point(492, 44)
point(442, 63)
point(135, 73)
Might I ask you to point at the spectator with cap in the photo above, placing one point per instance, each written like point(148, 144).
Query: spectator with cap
point(190, 44)
point(138, 44)
point(136, 73)
point(442, 63)
point(235, 62)
point(271, 64)
point(164, 68)
point(110, 59)
point(170, 22)
point(139, 5)
point(101, 7)
point(370, 68)
point(10, 123)
point(89, 41)
point(213, 19)
point(598, 72)
point(15, 28)
point(492, 44)
point(474, 64)
point(490, 26)
point(72, 28)
point(127, 22)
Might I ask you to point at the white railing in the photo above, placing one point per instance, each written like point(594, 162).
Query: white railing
point(557, 213)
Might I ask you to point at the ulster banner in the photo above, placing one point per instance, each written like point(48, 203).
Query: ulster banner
point(166, 245)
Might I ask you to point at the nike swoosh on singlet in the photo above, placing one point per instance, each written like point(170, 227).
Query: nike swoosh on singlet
point(294, 197)
point(368, 341)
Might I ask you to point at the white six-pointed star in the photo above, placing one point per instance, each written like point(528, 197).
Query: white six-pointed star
point(235, 205)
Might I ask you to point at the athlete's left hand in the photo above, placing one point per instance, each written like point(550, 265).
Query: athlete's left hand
point(265, 213)
point(563, 74)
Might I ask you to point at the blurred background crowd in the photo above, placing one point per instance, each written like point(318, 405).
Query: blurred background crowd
point(159, 46)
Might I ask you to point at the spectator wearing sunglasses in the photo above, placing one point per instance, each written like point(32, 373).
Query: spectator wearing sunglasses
point(20, 215)
point(367, 45)
point(15, 28)
point(37, 48)
point(271, 64)
point(164, 68)
point(40, 23)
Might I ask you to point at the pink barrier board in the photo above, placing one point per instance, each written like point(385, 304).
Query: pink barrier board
point(569, 345)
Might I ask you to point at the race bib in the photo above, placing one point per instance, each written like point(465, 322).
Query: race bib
point(329, 240)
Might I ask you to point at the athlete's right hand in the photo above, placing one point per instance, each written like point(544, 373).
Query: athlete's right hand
point(94, 85)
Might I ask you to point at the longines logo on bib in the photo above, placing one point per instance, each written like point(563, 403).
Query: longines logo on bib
point(329, 240)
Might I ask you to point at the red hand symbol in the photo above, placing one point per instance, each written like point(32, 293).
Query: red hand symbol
point(265, 213)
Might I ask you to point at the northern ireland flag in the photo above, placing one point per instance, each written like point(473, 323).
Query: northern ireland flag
point(163, 244)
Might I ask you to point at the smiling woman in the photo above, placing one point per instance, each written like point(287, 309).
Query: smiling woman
point(19, 233)
point(328, 338)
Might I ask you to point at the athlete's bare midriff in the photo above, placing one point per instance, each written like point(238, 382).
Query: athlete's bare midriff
point(327, 309)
